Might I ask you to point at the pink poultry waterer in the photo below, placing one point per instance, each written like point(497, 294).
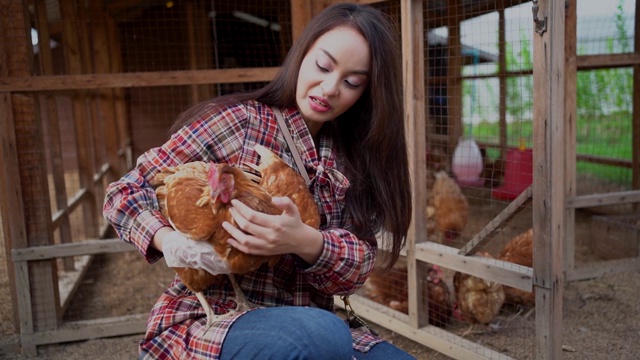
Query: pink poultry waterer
point(467, 163)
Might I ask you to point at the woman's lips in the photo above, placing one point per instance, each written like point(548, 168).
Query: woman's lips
point(318, 105)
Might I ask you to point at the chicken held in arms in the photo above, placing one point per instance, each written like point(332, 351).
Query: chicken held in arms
point(196, 198)
point(280, 179)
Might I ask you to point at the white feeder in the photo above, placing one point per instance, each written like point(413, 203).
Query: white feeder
point(467, 163)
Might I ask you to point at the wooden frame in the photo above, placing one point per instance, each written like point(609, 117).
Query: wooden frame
point(28, 238)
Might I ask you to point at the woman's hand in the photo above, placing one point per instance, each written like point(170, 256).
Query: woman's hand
point(262, 234)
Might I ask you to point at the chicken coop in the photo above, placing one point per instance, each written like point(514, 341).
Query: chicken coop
point(523, 127)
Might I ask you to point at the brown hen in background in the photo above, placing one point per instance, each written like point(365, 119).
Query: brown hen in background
point(519, 250)
point(478, 300)
point(390, 288)
point(447, 208)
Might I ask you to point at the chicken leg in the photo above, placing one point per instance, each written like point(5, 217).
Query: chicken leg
point(242, 304)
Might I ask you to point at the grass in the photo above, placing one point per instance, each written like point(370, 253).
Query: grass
point(607, 136)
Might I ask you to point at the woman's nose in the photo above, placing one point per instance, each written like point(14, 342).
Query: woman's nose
point(329, 87)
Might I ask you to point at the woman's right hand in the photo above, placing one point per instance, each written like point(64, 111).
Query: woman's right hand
point(180, 251)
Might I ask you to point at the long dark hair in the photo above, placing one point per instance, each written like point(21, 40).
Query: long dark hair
point(370, 135)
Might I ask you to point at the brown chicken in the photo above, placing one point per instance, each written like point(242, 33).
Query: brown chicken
point(195, 198)
point(447, 209)
point(477, 300)
point(279, 179)
point(390, 289)
point(196, 203)
point(519, 250)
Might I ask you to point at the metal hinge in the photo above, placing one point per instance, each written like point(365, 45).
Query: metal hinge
point(541, 24)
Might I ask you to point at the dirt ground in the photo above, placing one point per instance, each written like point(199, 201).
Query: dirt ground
point(601, 317)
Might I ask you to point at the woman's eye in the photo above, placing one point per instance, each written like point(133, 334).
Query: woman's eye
point(351, 85)
point(322, 68)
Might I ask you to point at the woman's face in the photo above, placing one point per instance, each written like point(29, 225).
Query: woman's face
point(333, 75)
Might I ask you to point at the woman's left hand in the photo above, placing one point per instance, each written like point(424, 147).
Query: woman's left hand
point(262, 234)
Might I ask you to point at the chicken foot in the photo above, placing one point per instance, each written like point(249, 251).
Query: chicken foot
point(242, 304)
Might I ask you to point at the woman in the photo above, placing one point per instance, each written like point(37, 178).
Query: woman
point(339, 92)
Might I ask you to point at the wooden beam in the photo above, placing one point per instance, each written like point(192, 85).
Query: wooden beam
point(502, 68)
point(548, 176)
point(132, 80)
point(106, 120)
point(85, 247)
point(40, 307)
point(301, 14)
point(415, 105)
point(75, 60)
point(504, 272)
point(90, 329)
point(435, 338)
point(635, 151)
point(51, 125)
point(607, 61)
point(454, 70)
point(570, 119)
point(498, 222)
point(14, 232)
point(613, 198)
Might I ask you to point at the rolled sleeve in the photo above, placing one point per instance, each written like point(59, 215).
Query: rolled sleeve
point(344, 265)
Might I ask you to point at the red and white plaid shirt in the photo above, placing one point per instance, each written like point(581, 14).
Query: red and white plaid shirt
point(228, 135)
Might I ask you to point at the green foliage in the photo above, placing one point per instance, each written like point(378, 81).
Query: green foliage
point(604, 105)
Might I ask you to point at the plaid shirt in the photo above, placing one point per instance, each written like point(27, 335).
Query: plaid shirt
point(228, 135)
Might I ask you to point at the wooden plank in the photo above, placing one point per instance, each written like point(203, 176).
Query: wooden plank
point(125, 151)
point(570, 116)
point(301, 14)
point(25, 303)
point(415, 105)
point(502, 68)
point(635, 151)
point(496, 223)
point(139, 79)
point(433, 337)
point(504, 272)
point(90, 329)
point(75, 56)
point(14, 233)
point(601, 268)
point(42, 275)
point(607, 61)
point(69, 281)
point(454, 70)
point(52, 125)
point(548, 180)
point(613, 198)
point(85, 247)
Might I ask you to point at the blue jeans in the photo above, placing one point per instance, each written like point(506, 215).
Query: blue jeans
point(282, 333)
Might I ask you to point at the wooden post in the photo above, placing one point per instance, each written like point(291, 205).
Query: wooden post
point(635, 143)
point(414, 105)
point(52, 124)
point(548, 176)
point(121, 113)
point(73, 52)
point(301, 13)
point(571, 118)
point(14, 232)
point(37, 282)
point(454, 77)
point(106, 106)
point(502, 79)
